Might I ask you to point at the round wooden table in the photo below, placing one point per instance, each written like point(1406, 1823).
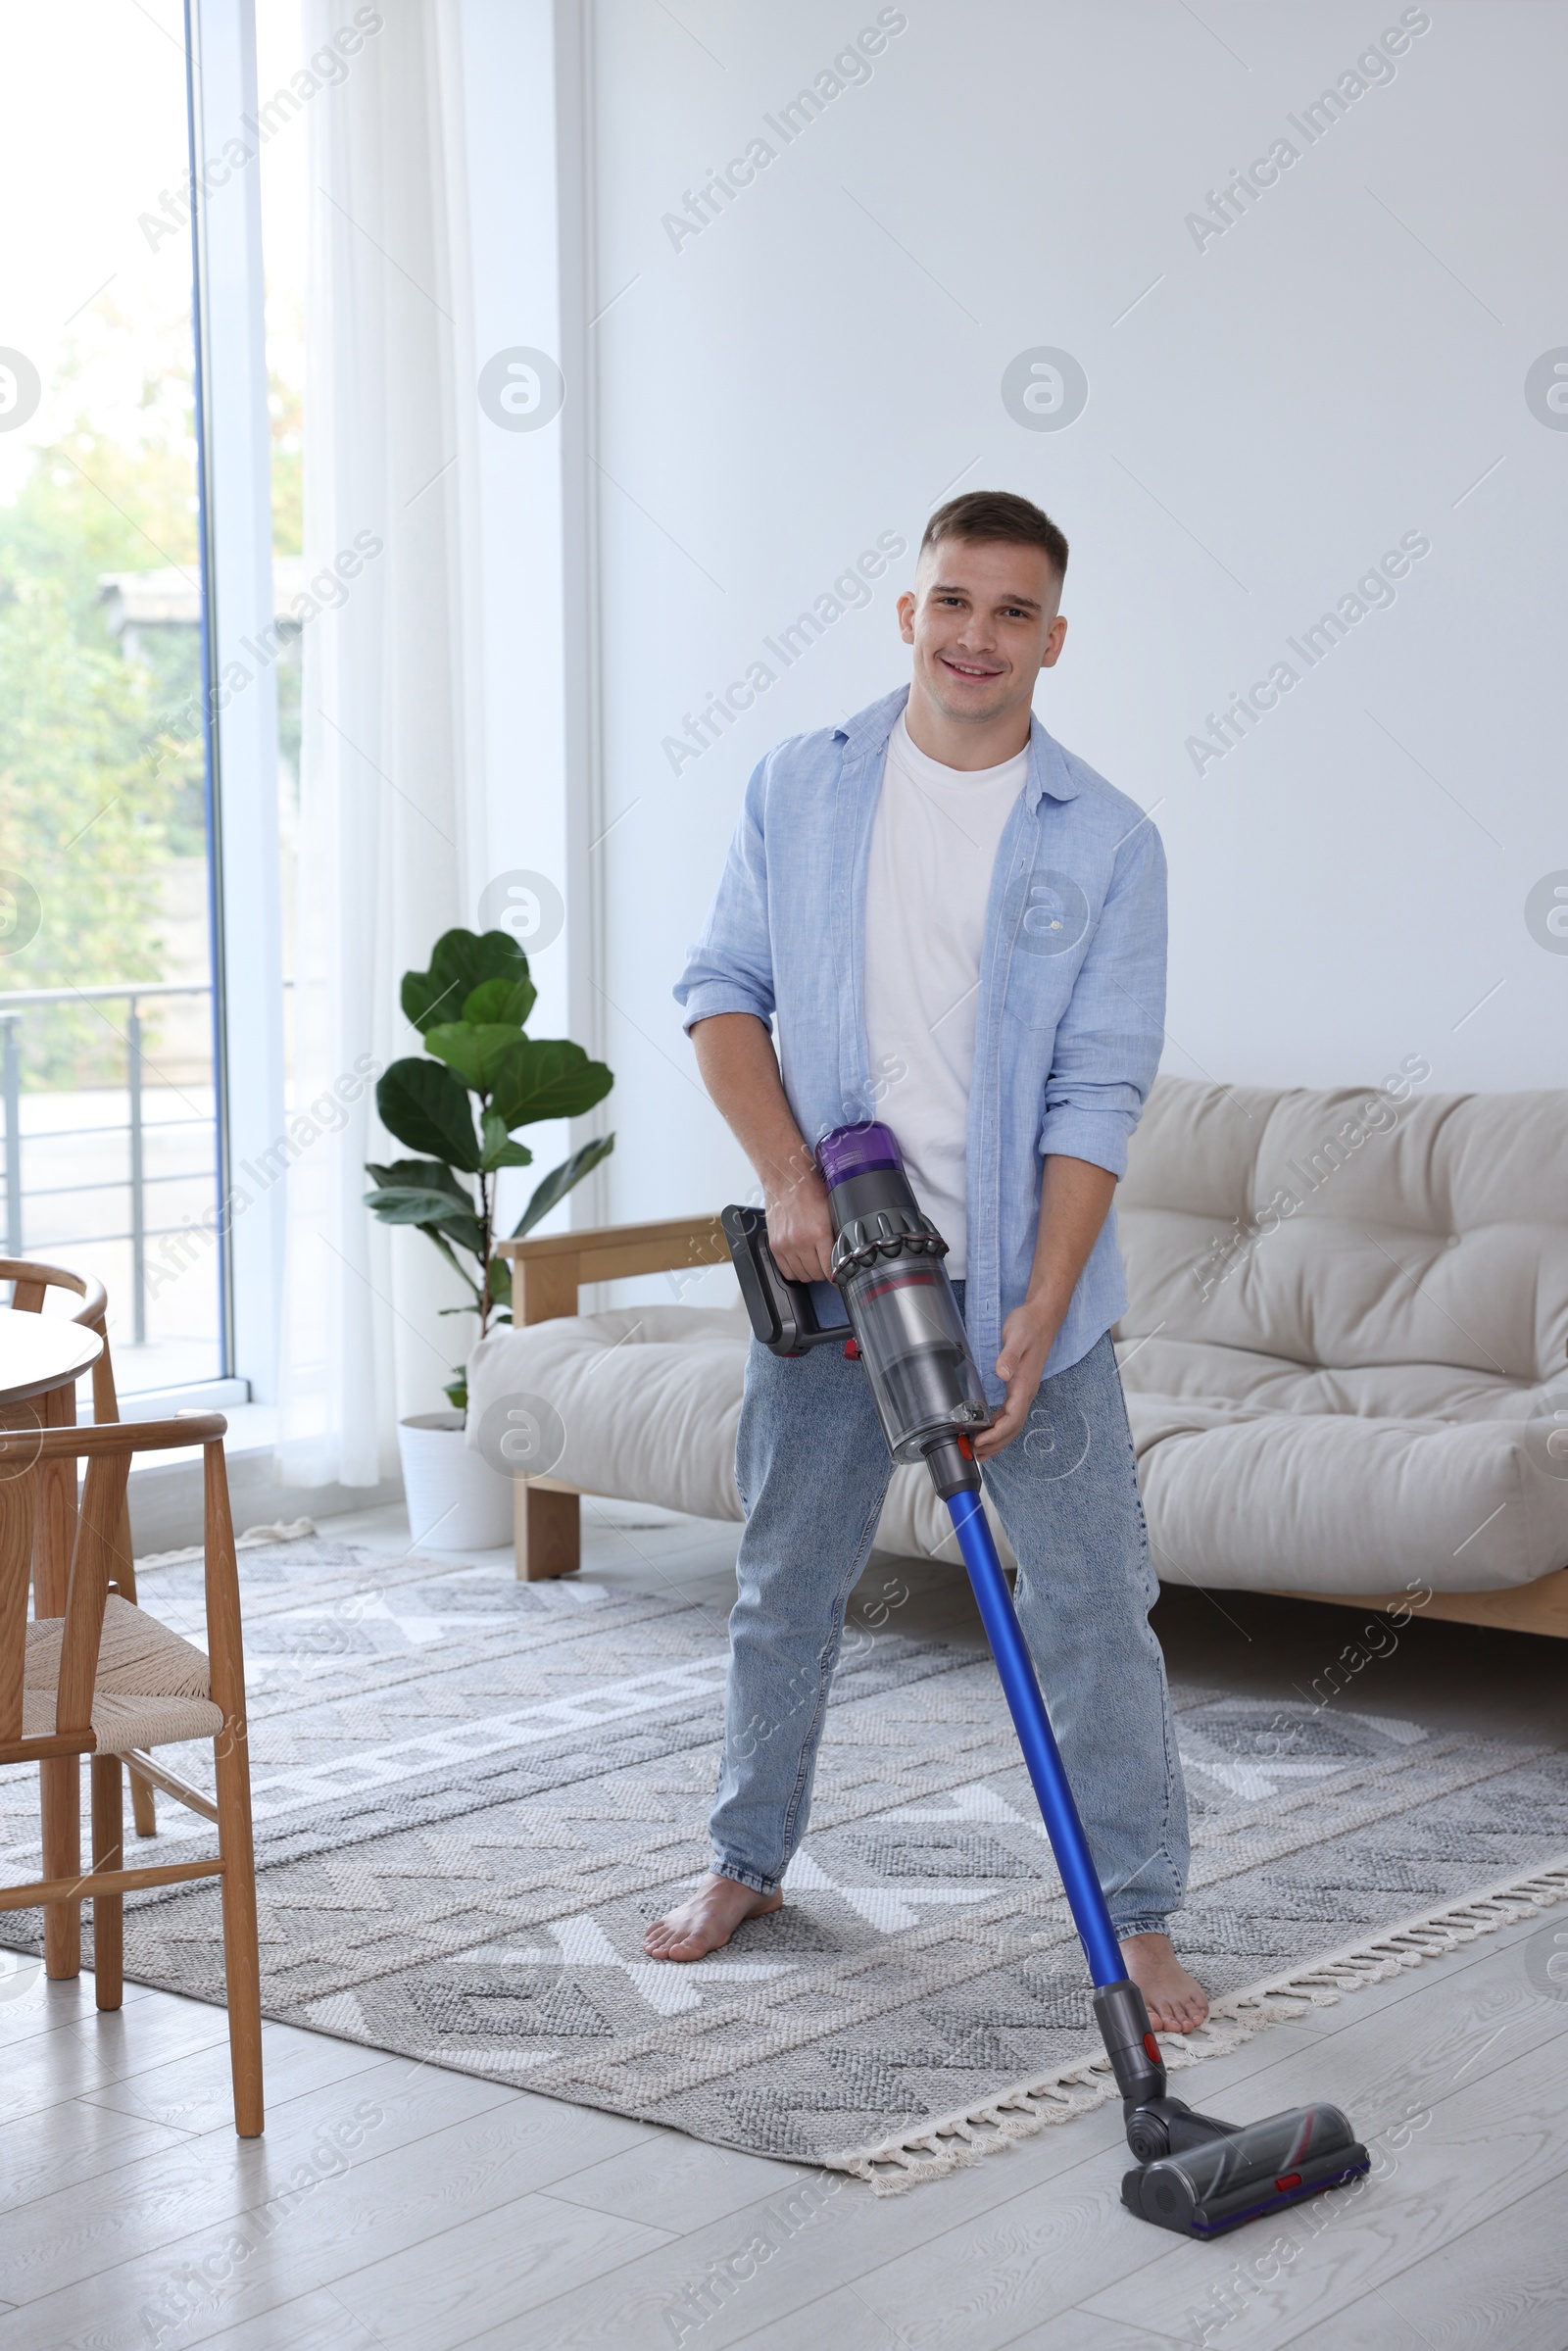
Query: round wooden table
point(40, 1353)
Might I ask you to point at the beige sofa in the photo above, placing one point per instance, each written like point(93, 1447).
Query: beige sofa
point(1344, 1354)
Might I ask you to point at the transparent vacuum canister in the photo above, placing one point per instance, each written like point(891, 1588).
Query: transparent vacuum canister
point(914, 1350)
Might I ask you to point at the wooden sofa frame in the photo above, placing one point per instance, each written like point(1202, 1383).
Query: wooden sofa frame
point(546, 1276)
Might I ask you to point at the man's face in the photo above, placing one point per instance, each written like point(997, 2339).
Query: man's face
point(983, 622)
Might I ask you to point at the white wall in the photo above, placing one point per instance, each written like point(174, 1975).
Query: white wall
point(1338, 368)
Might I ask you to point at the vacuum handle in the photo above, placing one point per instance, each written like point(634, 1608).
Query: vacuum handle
point(782, 1314)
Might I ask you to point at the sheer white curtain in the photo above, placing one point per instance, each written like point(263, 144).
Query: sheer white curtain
point(385, 861)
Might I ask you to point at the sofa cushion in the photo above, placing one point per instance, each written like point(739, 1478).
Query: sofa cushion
point(1422, 1244)
point(648, 1398)
point(1336, 1502)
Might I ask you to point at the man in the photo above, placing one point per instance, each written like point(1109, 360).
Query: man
point(960, 930)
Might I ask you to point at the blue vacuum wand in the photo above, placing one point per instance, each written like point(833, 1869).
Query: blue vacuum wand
point(1194, 2173)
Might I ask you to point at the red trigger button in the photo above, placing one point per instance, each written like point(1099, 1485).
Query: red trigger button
point(1153, 2046)
point(852, 1351)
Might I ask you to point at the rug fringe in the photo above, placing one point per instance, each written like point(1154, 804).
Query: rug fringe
point(1077, 2087)
point(295, 1531)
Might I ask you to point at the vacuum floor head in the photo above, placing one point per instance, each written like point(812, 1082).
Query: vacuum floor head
point(1260, 2168)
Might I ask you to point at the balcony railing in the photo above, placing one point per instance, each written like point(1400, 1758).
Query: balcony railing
point(137, 1184)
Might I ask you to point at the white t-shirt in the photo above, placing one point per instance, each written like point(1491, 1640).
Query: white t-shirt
point(933, 845)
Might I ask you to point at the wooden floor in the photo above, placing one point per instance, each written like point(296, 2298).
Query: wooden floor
point(394, 2204)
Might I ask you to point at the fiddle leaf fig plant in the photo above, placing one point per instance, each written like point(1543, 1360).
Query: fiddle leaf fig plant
point(460, 1109)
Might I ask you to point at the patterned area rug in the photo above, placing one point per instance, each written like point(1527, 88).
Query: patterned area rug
point(471, 1794)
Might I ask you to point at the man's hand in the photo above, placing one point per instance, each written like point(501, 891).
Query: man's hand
point(1074, 1199)
point(800, 1228)
point(1027, 1337)
point(735, 1056)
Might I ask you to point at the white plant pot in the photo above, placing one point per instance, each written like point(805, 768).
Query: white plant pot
point(456, 1500)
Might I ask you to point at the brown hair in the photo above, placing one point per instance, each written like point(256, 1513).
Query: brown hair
point(997, 514)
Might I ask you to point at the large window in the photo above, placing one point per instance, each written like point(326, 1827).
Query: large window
point(106, 963)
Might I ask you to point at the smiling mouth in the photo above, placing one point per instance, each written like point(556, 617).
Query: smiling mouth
point(965, 668)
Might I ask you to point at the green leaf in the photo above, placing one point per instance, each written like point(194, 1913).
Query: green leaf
point(425, 1193)
point(559, 1182)
point(431, 1211)
point(427, 1174)
point(423, 1105)
point(461, 959)
point(481, 1057)
point(499, 1151)
point(549, 1078)
point(509, 1001)
point(500, 1288)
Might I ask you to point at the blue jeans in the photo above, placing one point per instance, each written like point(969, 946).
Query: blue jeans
point(813, 1471)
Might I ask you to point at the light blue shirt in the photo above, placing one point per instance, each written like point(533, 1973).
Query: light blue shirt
point(1070, 1016)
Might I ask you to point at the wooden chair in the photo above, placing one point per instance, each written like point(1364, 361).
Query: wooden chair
point(30, 1281)
point(545, 1279)
point(105, 1679)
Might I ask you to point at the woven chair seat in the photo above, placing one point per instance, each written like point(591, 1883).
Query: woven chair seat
point(152, 1687)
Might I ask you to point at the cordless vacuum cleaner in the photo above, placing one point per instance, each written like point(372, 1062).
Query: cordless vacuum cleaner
point(1195, 2175)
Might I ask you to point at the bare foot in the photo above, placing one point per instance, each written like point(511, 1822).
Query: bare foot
point(1176, 2001)
point(708, 1921)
